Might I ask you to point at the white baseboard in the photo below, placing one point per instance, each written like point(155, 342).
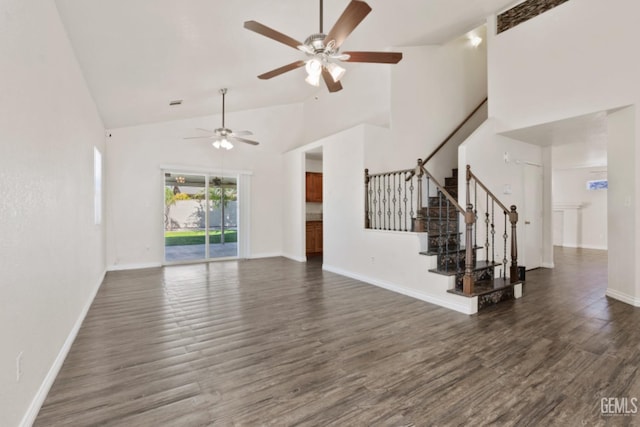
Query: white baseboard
point(596, 247)
point(267, 255)
point(569, 245)
point(470, 308)
point(547, 265)
point(30, 416)
point(295, 257)
point(620, 296)
point(121, 267)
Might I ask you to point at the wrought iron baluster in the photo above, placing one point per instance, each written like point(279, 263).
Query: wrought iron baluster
point(394, 201)
point(379, 203)
point(411, 188)
point(493, 232)
point(442, 243)
point(428, 203)
point(399, 196)
point(404, 178)
point(447, 233)
point(486, 232)
point(505, 236)
point(388, 188)
point(460, 255)
point(475, 214)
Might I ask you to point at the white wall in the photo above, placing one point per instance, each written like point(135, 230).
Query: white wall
point(485, 152)
point(135, 156)
point(556, 66)
point(433, 89)
point(622, 215)
point(386, 259)
point(589, 228)
point(364, 99)
point(51, 252)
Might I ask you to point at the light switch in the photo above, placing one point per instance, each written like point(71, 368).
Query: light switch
point(507, 189)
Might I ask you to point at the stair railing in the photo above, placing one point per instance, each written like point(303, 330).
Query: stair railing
point(394, 201)
point(475, 190)
point(455, 131)
point(390, 200)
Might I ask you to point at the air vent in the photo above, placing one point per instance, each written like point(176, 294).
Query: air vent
point(176, 102)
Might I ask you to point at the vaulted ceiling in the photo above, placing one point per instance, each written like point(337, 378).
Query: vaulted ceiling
point(138, 55)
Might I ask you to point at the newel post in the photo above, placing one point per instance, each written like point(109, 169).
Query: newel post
point(367, 220)
point(467, 279)
point(419, 222)
point(468, 174)
point(513, 218)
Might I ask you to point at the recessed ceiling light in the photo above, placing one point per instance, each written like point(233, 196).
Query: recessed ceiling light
point(176, 102)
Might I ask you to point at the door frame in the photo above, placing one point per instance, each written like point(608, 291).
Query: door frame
point(538, 210)
point(243, 180)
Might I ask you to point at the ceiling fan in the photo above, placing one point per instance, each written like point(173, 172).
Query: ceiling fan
point(223, 136)
point(323, 50)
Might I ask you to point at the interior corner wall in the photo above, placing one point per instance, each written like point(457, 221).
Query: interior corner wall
point(485, 152)
point(390, 260)
point(294, 206)
point(557, 66)
point(51, 251)
point(547, 209)
point(365, 99)
point(135, 156)
point(622, 203)
point(433, 89)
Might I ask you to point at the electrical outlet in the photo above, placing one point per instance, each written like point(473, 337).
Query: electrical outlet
point(18, 366)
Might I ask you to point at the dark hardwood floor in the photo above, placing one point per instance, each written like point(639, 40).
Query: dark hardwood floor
point(276, 342)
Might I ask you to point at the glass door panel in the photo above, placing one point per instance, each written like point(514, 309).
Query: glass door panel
point(223, 217)
point(184, 217)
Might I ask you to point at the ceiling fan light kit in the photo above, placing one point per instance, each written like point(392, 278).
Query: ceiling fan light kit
point(223, 136)
point(324, 49)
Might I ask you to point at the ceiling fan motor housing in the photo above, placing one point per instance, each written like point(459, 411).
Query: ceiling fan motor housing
point(316, 41)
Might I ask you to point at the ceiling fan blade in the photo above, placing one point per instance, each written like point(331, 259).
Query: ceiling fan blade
point(241, 133)
point(204, 130)
point(271, 33)
point(331, 85)
point(246, 141)
point(199, 137)
point(281, 70)
point(355, 12)
point(377, 57)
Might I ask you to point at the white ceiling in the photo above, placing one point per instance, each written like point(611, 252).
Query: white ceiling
point(137, 55)
point(581, 129)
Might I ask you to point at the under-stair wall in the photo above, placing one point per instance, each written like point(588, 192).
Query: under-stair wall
point(499, 162)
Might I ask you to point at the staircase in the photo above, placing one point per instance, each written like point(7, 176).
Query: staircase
point(471, 243)
point(444, 242)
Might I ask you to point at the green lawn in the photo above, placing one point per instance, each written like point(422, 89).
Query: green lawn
point(181, 238)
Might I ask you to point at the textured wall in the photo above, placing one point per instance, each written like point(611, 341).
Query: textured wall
point(525, 11)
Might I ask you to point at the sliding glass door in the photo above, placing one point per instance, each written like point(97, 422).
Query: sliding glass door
point(200, 216)
point(223, 217)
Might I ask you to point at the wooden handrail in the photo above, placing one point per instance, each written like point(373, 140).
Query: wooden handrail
point(484, 187)
point(421, 170)
point(443, 143)
point(389, 173)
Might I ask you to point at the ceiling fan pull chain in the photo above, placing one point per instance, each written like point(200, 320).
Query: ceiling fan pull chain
point(321, 14)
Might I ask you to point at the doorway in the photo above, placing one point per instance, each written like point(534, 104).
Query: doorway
point(200, 217)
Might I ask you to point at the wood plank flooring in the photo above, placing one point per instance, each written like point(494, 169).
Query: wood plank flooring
point(276, 342)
